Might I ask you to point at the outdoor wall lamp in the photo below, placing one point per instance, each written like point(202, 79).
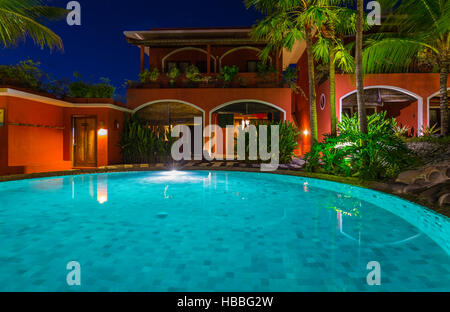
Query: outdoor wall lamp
point(305, 132)
point(102, 131)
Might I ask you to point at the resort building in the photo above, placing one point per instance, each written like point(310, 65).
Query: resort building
point(41, 133)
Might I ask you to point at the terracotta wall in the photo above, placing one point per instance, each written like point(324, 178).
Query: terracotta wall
point(37, 136)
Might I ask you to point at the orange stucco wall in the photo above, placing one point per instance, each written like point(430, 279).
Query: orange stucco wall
point(208, 99)
point(37, 136)
point(421, 86)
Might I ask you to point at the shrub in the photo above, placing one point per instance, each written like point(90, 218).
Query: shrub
point(193, 73)
point(80, 89)
point(173, 75)
point(379, 154)
point(287, 140)
point(267, 73)
point(143, 143)
point(228, 73)
point(430, 131)
point(26, 74)
point(149, 76)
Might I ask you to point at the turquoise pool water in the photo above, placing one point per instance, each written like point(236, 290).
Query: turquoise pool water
point(215, 231)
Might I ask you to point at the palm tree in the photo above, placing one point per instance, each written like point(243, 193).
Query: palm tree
point(330, 49)
point(287, 21)
point(414, 30)
point(359, 67)
point(22, 18)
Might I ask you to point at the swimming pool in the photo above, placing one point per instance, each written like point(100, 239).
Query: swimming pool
point(215, 231)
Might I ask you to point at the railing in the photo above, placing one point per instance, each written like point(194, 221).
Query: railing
point(242, 80)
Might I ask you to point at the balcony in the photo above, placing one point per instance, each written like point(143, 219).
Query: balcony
point(242, 80)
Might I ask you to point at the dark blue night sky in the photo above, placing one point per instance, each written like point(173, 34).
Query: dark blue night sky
point(98, 48)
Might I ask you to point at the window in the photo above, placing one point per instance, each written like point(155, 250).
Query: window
point(171, 65)
point(183, 66)
point(322, 101)
point(252, 66)
point(435, 117)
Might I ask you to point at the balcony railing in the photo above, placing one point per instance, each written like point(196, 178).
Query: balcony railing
point(242, 80)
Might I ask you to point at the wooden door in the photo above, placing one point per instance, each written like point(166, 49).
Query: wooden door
point(85, 142)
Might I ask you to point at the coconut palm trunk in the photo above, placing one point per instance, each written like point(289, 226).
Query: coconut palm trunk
point(444, 99)
point(359, 68)
point(332, 90)
point(312, 87)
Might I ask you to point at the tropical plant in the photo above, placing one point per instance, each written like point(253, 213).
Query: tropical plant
point(288, 134)
point(228, 73)
point(360, 99)
point(402, 131)
point(267, 73)
point(173, 74)
point(430, 131)
point(290, 78)
point(330, 49)
point(288, 21)
point(144, 143)
point(193, 73)
point(413, 30)
point(22, 18)
point(149, 75)
point(81, 89)
point(26, 74)
point(377, 155)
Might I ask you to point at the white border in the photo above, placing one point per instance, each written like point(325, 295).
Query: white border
point(185, 49)
point(417, 97)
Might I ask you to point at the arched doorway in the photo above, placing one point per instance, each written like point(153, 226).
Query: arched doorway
point(170, 113)
point(242, 113)
point(404, 106)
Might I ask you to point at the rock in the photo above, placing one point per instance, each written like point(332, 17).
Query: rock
point(282, 166)
point(396, 188)
point(444, 200)
point(409, 176)
point(447, 173)
point(294, 166)
point(435, 176)
point(298, 161)
point(417, 187)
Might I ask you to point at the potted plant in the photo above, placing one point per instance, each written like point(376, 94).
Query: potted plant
point(267, 75)
point(150, 77)
point(193, 75)
point(228, 74)
point(173, 75)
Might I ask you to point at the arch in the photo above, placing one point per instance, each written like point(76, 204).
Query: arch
point(174, 101)
point(242, 101)
point(186, 49)
point(168, 100)
point(237, 49)
point(428, 104)
point(412, 94)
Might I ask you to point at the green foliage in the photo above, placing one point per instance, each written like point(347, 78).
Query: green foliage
point(80, 89)
point(379, 154)
point(26, 74)
point(288, 133)
point(173, 74)
point(193, 73)
point(228, 73)
point(22, 18)
point(148, 76)
point(267, 73)
point(444, 140)
point(144, 143)
point(430, 131)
